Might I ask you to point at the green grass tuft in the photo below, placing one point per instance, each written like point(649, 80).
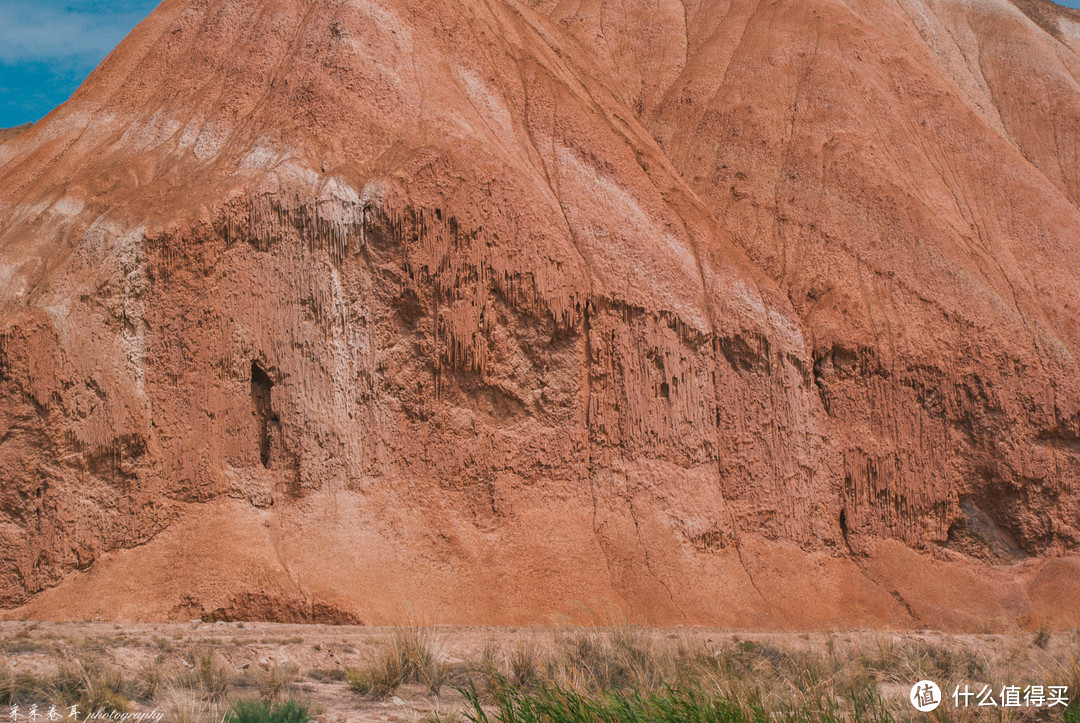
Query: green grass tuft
point(265, 711)
point(557, 704)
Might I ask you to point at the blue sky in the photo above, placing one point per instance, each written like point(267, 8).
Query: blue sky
point(48, 47)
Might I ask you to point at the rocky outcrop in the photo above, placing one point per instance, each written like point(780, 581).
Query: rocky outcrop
point(8, 133)
point(452, 312)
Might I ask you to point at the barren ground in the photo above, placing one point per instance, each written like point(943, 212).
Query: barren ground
point(157, 665)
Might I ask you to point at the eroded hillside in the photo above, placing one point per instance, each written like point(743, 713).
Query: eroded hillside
point(722, 313)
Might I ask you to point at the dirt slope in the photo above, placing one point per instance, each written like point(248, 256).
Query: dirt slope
point(741, 314)
point(9, 133)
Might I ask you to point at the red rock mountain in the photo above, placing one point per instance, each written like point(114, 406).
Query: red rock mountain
point(707, 311)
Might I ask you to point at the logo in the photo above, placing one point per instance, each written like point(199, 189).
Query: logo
point(925, 696)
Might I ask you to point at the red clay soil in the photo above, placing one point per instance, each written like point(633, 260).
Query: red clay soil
point(710, 312)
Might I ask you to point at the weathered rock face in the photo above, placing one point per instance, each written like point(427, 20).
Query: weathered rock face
point(431, 311)
point(906, 175)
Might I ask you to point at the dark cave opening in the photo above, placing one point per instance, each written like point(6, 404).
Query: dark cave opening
point(261, 384)
point(844, 528)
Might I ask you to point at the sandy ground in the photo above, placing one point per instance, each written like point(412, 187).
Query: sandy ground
point(321, 654)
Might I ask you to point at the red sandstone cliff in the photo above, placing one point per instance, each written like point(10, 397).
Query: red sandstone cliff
point(713, 312)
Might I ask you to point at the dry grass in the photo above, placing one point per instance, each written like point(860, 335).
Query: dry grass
point(182, 707)
point(207, 673)
point(381, 678)
point(89, 685)
point(842, 676)
point(410, 655)
point(30, 640)
point(150, 679)
point(525, 665)
point(18, 686)
point(838, 681)
point(277, 682)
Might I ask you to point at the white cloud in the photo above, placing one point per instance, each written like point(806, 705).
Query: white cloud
point(42, 32)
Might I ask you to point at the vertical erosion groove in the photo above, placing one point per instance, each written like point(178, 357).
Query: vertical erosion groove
point(261, 385)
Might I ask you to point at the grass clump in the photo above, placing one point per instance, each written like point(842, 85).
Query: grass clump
point(265, 711)
point(526, 666)
point(276, 682)
point(324, 675)
point(623, 658)
point(381, 678)
point(634, 674)
point(420, 658)
point(556, 704)
point(16, 687)
point(208, 674)
point(90, 686)
point(409, 656)
point(150, 680)
point(28, 640)
point(184, 707)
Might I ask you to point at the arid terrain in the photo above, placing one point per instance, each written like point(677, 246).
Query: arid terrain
point(192, 671)
point(709, 312)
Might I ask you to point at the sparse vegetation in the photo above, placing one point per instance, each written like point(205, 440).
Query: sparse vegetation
point(381, 678)
point(557, 705)
point(151, 678)
point(27, 641)
point(265, 711)
point(276, 681)
point(327, 674)
point(410, 656)
point(17, 686)
point(630, 674)
point(208, 674)
point(525, 666)
point(90, 685)
point(597, 675)
point(184, 708)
